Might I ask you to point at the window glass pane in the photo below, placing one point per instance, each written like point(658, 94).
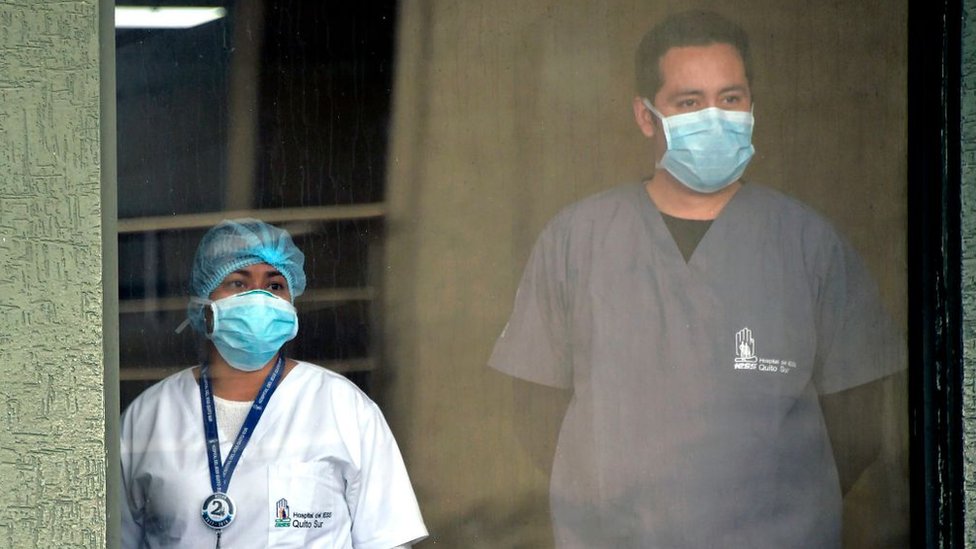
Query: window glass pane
point(273, 115)
point(582, 330)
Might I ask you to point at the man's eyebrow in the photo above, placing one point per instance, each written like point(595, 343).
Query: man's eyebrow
point(686, 93)
point(734, 88)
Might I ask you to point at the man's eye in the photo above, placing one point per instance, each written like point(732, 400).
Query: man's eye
point(732, 99)
point(276, 286)
point(687, 103)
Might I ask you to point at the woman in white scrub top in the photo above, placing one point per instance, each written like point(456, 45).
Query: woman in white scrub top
point(252, 449)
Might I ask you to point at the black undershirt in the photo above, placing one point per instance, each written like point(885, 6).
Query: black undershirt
point(687, 233)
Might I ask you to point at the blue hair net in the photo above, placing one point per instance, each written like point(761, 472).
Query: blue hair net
point(234, 244)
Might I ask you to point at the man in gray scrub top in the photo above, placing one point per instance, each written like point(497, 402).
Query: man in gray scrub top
point(700, 324)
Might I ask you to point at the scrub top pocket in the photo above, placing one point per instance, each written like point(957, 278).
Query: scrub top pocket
point(306, 506)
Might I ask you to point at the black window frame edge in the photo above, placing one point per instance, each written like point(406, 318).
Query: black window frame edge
point(934, 273)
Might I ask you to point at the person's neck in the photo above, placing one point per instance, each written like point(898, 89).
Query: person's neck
point(675, 199)
point(229, 383)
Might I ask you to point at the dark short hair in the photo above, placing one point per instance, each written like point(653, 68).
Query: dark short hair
point(690, 28)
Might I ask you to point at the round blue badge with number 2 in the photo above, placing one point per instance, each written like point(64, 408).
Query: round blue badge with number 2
point(218, 511)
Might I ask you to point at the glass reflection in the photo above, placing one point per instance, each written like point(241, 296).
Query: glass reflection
point(419, 195)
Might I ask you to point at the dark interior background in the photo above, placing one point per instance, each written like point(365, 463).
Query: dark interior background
point(319, 117)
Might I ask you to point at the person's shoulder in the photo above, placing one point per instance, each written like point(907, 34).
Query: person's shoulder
point(318, 379)
point(598, 209)
point(163, 391)
point(604, 203)
point(800, 228)
point(172, 382)
point(323, 391)
point(786, 210)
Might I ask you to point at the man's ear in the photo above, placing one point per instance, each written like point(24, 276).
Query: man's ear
point(643, 117)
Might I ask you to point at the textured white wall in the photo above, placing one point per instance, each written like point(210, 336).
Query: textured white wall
point(969, 262)
point(52, 404)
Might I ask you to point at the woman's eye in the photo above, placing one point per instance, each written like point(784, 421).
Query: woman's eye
point(276, 286)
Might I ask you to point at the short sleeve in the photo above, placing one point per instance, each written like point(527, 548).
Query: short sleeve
point(857, 339)
point(535, 344)
point(131, 509)
point(131, 523)
point(381, 501)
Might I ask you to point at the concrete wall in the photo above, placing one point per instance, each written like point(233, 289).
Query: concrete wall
point(53, 404)
point(505, 112)
point(969, 262)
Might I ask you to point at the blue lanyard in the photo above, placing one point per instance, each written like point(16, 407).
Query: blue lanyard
point(220, 474)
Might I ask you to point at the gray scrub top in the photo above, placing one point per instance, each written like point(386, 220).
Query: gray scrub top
point(695, 419)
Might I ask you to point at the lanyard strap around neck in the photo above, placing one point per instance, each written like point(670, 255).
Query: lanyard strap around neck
point(220, 474)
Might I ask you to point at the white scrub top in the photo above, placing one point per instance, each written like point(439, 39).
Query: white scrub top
point(321, 470)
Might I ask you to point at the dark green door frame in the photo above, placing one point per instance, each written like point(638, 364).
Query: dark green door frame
point(935, 317)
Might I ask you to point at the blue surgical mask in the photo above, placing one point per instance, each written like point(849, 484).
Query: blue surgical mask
point(709, 149)
point(251, 327)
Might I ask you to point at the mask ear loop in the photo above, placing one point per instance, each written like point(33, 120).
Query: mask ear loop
point(196, 301)
point(647, 103)
point(182, 326)
point(661, 117)
point(664, 127)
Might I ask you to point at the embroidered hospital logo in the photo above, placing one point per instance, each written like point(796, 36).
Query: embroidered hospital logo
point(747, 359)
point(285, 518)
point(745, 347)
point(282, 514)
